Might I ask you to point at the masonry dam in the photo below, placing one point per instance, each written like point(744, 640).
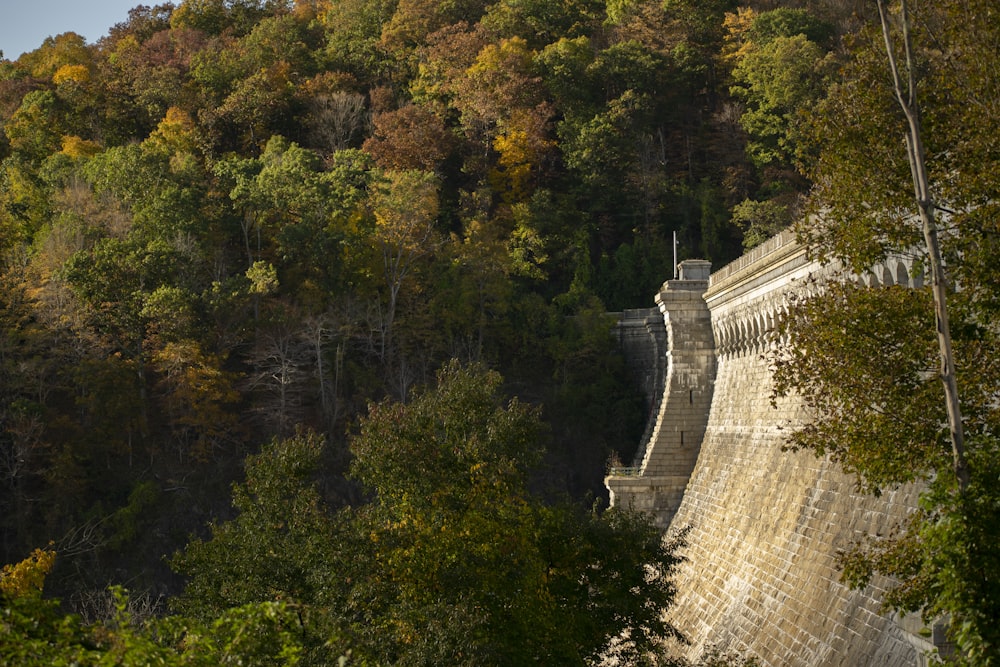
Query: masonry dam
point(761, 577)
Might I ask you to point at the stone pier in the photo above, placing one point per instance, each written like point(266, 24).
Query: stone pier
point(656, 481)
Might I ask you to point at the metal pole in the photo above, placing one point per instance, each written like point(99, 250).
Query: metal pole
point(675, 256)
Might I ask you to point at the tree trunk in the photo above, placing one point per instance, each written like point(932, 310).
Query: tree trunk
point(907, 98)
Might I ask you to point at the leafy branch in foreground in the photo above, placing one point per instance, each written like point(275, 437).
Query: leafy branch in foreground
point(467, 566)
point(879, 368)
point(454, 561)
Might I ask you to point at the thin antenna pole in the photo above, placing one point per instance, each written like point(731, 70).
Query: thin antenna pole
point(675, 255)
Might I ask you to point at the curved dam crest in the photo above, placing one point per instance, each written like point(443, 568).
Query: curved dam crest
point(761, 576)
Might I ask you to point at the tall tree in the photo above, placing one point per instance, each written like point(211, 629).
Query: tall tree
point(454, 560)
point(778, 80)
point(411, 137)
point(295, 210)
point(904, 84)
point(901, 154)
point(276, 547)
point(456, 531)
point(405, 208)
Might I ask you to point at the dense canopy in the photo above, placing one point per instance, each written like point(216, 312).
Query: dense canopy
point(232, 224)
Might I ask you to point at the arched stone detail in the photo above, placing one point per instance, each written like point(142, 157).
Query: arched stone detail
point(731, 337)
point(885, 275)
point(902, 275)
point(721, 337)
point(769, 332)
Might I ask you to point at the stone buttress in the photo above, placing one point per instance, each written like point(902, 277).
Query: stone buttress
point(656, 483)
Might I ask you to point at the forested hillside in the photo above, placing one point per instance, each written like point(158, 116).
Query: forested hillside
point(238, 222)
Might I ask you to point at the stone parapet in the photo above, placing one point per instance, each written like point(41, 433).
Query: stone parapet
point(770, 254)
point(658, 495)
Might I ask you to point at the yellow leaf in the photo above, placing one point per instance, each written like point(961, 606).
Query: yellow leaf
point(75, 147)
point(75, 73)
point(27, 577)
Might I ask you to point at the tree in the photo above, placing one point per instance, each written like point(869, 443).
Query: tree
point(209, 16)
point(778, 80)
point(408, 138)
point(454, 559)
point(413, 20)
point(906, 95)
point(354, 29)
point(565, 67)
point(335, 117)
point(471, 567)
point(33, 631)
point(36, 633)
point(601, 147)
point(115, 279)
point(405, 209)
point(760, 220)
point(296, 210)
point(499, 82)
point(899, 154)
point(542, 22)
point(34, 128)
point(748, 30)
point(523, 149)
point(146, 72)
point(279, 377)
point(198, 396)
point(449, 52)
point(159, 182)
point(279, 542)
point(275, 563)
point(142, 23)
point(68, 48)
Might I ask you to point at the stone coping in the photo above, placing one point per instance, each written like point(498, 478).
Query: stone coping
point(773, 254)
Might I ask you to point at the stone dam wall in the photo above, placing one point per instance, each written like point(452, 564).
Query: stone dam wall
point(761, 575)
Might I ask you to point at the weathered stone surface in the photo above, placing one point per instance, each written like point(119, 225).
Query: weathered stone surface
point(766, 525)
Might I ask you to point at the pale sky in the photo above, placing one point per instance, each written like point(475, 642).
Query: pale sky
point(24, 24)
